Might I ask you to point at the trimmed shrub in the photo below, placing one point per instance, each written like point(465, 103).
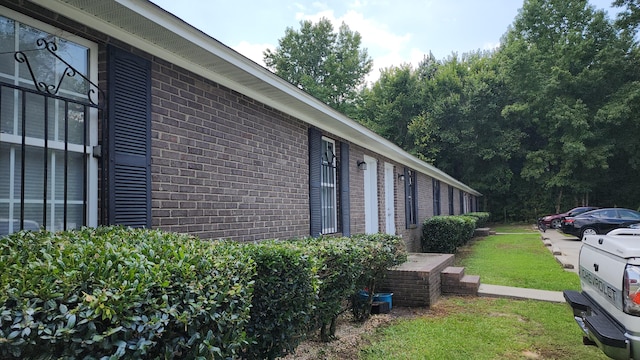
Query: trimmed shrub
point(284, 296)
point(115, 293)
point(444, 234)
point(123, 293)
point(482, 218)
point(340, 265)
point(346, 265)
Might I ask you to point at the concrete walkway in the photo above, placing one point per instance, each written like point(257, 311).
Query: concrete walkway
point(487, 290)
point(564, 248)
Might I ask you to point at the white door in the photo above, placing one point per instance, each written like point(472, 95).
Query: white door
point(389, 203)
point(371, 196)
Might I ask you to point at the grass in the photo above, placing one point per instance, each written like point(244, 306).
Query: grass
point(517, 228)
point(486, 328)
point(519, 260)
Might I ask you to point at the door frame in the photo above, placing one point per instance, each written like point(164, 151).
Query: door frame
point(389, 197)
point(371, 218)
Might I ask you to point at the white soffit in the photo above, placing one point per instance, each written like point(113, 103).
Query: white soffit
point(148, 27)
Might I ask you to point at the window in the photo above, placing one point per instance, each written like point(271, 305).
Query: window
point(48, 127)
point(328, 196)
point(436, 197)
point(411, 202)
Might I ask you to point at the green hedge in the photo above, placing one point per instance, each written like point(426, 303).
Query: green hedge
point(482, 218)
point(302, 285)
point(284, 297)
point(346, 265)
point(121, 293)
point(444, 234)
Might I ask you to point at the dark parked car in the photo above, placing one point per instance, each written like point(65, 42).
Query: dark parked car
point(555, 221)
point(599, 221)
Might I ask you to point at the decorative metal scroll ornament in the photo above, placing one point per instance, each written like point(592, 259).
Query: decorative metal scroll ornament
point(94, 94)
point(329, 157)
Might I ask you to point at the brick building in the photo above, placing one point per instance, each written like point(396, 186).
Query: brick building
point(117, 112)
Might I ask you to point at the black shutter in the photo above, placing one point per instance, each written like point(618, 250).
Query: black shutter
point(129, 143)
point(315, 168)
point(345, 197)
point(451, 210)
point(461, 202)
point(415, 197)
point(407, 198)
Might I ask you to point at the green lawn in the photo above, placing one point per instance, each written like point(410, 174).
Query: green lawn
point(486, 328)
point(519, 260)
point(518, 228)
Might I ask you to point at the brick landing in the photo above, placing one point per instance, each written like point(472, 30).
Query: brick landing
point(417, 282)
point(425, 277)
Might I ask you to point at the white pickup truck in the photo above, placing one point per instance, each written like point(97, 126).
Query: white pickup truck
point(608, 308)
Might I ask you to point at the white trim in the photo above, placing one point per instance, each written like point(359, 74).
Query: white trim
point(371, 217)
point(389, 198)
point(22, 18)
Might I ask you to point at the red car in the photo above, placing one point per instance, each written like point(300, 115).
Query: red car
point(555, 221)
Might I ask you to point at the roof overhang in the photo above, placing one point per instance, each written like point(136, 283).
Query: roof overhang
point(149, 28)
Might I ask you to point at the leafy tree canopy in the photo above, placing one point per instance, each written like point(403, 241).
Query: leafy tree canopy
point(328, 65)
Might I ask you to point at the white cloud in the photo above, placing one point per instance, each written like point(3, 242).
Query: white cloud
point(253, 51)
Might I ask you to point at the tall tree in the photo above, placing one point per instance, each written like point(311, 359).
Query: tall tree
point(461, 128)
point(330, 66)
point(391, 103)
point(562, 61)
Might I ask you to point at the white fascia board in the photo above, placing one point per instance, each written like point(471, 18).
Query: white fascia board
point(311, 111)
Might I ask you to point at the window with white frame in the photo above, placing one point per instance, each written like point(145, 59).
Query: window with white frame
point(328, 194)
point(48, 127)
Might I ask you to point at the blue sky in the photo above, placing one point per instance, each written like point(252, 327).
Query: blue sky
point(393, 32)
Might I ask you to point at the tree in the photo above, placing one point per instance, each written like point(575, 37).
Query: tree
point(391, 103)
point(461, 129)
point(330, 66)
point(629, 19)
point(563, 62)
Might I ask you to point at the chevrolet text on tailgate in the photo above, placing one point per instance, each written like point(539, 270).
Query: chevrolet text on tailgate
point(608, 308)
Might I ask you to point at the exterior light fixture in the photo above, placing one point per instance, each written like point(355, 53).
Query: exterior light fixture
point(401, 176)
point(362, 165)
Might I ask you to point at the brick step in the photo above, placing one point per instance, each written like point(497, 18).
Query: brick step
point(455, 282)
point(452, 274)
point(470, 284)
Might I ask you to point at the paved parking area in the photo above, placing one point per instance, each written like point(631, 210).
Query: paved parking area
point(566, 249)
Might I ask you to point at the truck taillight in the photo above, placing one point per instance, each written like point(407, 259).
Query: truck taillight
point(631, 290)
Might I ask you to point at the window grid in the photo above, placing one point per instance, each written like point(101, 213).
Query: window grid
point(44, 132)
point(328, 197)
